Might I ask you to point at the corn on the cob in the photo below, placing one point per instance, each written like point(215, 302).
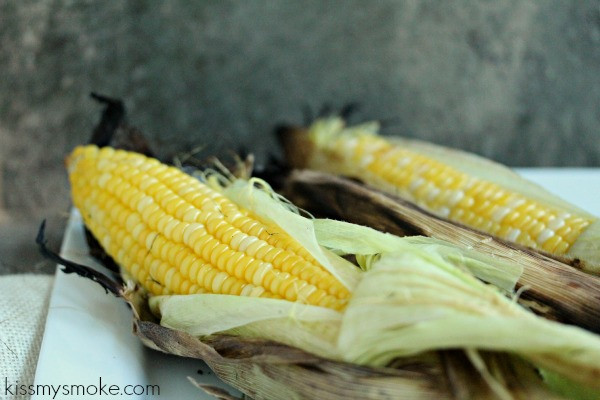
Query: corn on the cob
point(176, 235)
point(434, 179)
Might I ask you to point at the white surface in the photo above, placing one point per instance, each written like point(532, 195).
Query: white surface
point(580, 186)
point(88, 333)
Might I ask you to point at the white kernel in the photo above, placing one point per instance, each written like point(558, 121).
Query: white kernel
point(500, 213)
point(455, 197)
point(169, 277)
point(556, 223)
point(247, 290)
point(433, 193)
point(545, 235)
point(563, 215)
point(185, 190)
point(103, 179)
point(143, 203)
point(132, 221)
point(150, 240)
point(252, 249)
point(350, 144)
point(187, 232)
point(403, 162)
point(516, 202)
point(191, 215)
point(170, 226)
point(137, 230)
point(305, 292)
point(443, 211)
point(257, 291)
point(366, 160)
point(260, 273)
point(415, 184)
point(513, 234)
point(248, 240)
point(163, 221)
point(147, 182)
point(236, 239)
point(218, 282)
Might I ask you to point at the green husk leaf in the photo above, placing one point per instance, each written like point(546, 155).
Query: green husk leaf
point(587, 247)
point(267, 205)
point(567, 388)
point(412, 302)
point(356, 239)
point(314, 329)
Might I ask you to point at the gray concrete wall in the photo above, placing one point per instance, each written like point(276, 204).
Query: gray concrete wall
point(514, 80)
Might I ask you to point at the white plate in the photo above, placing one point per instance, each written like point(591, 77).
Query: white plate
point(89, 337)
point(88, 333)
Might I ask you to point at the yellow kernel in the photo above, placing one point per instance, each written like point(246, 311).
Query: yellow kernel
point(208, 248)
point(227, 285)
point(185, 263)
point(185, 287)
point(224, 258)
point(217, 253)
point(206, 276)
point(240, 267)
point(251, 270)
point(218, 282)
point(190, 232)
point(169, 277)
point(177, 233)
point(227, 235)
point(233, 261)
point(194, 270)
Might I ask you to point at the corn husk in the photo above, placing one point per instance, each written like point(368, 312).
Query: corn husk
point(264, 369)
point(414, 296)
point(549, 287)
point(240, 338)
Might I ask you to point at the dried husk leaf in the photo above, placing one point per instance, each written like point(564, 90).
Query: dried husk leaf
point(410, 303)
point(268, 370)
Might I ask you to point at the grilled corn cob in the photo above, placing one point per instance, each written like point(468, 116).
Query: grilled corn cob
point(454, 185)
point(176, 235)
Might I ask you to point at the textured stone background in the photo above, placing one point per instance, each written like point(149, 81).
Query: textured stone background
point(515, 80)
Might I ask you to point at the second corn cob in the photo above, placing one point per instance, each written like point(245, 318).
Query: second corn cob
point(453, 185)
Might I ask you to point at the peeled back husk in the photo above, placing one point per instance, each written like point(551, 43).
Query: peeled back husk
point(417, 295)
point(549, 287)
